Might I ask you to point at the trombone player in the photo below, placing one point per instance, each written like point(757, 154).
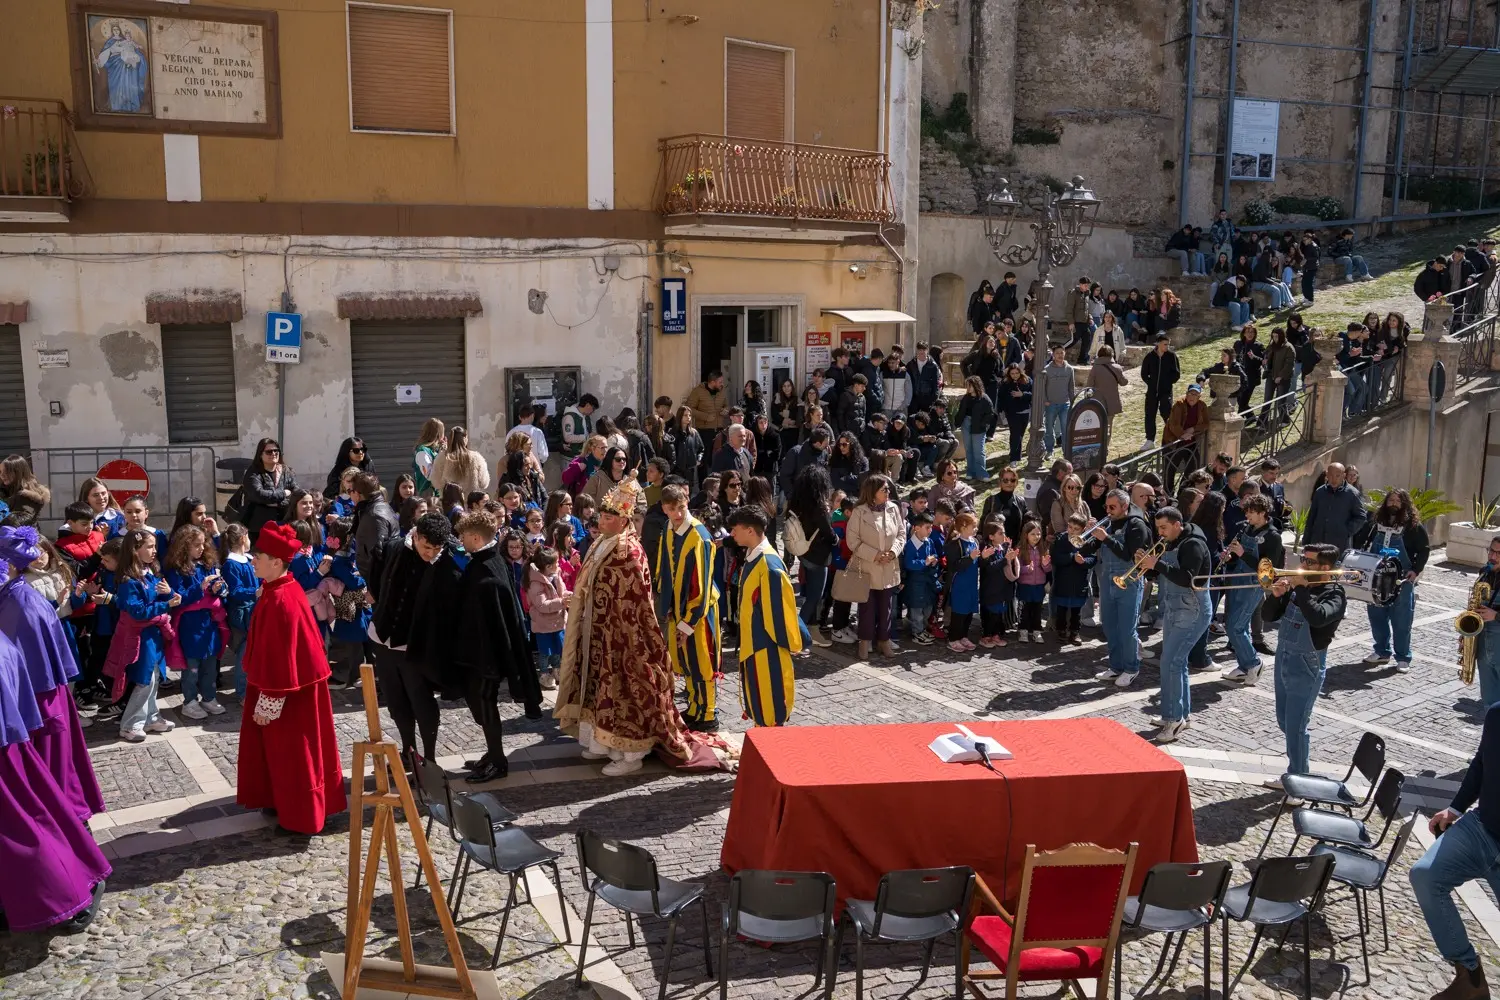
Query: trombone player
point(1119, 545)
point(1308, 607)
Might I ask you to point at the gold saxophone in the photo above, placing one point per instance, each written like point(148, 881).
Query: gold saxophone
point(1469, 625)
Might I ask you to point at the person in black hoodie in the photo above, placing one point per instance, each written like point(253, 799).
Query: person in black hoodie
point(1160, 371)
point(1007, 298)
point(981, 309)
point(1004, 505)
point(1433, 280)
point(489, 641)
point(926, 380)
point(1251, 355)
point(1309, 613)
point(1015, 401)
point(1186, 612)
point(352, 453)
point(1311, 253)
point(406, 686)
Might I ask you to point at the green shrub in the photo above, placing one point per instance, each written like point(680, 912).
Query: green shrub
point(1258, 213)
point(1323, 207)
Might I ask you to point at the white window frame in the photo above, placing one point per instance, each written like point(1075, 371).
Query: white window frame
point(788, 327)
point(790, 112)
point(452, 71)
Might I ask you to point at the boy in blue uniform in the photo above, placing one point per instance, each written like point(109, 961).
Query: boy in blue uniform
point(351, 612)
point(771, 632)
point(241, 586)
point(685, 564)
point(920, 569)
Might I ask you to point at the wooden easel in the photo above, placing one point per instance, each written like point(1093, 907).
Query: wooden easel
point(386, 758)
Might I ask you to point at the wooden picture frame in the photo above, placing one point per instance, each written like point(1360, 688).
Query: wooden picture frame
point(81, 59)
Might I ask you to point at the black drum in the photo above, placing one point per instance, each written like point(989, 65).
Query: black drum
point(1380, 577)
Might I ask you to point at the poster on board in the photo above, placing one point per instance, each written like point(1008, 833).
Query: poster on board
point(1252, 152)
point(818, 352)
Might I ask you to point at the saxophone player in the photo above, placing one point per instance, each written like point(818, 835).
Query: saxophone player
point(1487, 652)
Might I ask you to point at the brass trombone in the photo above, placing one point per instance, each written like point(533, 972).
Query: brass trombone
point(1135, 572)
point(1266, 575)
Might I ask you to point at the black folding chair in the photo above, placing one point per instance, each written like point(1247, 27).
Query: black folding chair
point(918, 904)
point(625, 877)
point(1281, 892)
point(1334, 793)
point(1176, 899)
point(1363, 874)
point(1349, 831)
point(435, 793)
point(508, 850)
point(781, 908)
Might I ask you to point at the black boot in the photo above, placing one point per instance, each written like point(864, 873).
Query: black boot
point(1468, 984)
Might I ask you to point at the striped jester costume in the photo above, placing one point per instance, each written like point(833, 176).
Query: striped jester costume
point(771, 633)
point(685, 559)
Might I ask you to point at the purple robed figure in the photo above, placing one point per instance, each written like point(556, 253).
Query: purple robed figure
point(31, 621)
point(54, 872)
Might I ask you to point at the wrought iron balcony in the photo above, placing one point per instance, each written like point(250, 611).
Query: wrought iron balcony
point(715, 175)
point(41, 169)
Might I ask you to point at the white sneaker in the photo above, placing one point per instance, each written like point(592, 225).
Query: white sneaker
point(846, 635)
point(1035, 637)
point(591, 755)
point(615, 768)
point(1403, 666)
point(1170, 731)
point(1375, 659)
point(133, 735)
point(213, 707)
point(1125, 680)
point(1147, 655)
point(161, 726)
point(549, 681)
point(192, 710)
point(1107, 674)
point(818, 638)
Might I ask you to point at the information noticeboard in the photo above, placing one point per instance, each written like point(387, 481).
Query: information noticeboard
point(1086, 443)
point(1252, 150)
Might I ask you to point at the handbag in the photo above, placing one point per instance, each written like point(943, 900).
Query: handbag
point(851, 585)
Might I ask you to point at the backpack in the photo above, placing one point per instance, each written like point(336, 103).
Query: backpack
point(793, 538)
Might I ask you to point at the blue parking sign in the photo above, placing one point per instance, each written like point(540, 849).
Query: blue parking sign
point(674, 305)
point(284, 338)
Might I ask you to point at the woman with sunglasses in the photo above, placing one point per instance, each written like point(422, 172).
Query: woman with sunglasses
point(267, 486)
point(351, 453)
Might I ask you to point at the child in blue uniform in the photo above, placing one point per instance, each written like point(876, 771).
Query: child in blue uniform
point(241, 587)
point(192, 573)
point(108, 517)
point(351, 612)
point(136, 515)
point(143, 596)
point(962, 581)
point(920, 571)
point(309, 567)
point(1070, 579)
point(996, 590)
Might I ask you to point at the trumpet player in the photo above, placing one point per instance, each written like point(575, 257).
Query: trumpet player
point(1119, 545)
point(1309, 609)
point(1185, 613)
point(1258, 539)
point(1395, 531)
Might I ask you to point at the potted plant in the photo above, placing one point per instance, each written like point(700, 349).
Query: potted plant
point(1469, 541)
point(681, 197)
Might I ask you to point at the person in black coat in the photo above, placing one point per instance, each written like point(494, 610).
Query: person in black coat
point(1227, 366)
point(687, 449)
point(849, 412)
point(813, 451)
point(351, 454)
point(1251, 355)
point(767, 448)
point(396, 625)
point(489, 641)
point(267, 486)
point(1433, 280)
point(981, 307)
point(1015, 402)
point(1160, 371)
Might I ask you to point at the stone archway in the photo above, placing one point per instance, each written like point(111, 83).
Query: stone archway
point(947, 308)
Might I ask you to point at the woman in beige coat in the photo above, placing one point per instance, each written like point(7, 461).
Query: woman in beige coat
point(460, 465)
point(876, 534)
point(1106, 378)
point(1069, 502)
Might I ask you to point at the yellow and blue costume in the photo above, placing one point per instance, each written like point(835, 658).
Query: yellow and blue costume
point(770, 634)
point(685, 564)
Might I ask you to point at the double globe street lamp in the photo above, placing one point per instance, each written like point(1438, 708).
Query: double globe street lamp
point(1065, 221)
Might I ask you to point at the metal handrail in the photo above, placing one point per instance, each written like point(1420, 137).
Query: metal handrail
point(1281, 422)
point(39, 156)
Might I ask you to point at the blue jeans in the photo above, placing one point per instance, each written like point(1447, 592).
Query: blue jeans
point(1356, 392)
point(1354, 266)
point(1119, 613)
point(917, 618)
point(140, 708)
point(1239, 313)
point(200, 679)
point(1185, 616)
point(1239, 608)
point(1394, 622)
point(1464, 852)
point(974, 449)
point(1055, 418)
point(1281, 296)
point(813, 580)
point(1299, 678)
point(237, 646)
point(1488, 664)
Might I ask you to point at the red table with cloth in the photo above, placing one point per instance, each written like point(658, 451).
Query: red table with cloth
point(859, 801)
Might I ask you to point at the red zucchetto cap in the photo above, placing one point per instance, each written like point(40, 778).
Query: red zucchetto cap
point(279, 541)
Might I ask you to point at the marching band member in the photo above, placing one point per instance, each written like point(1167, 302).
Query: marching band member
point(1185, 613)
point(1309, 612)
point(1118, 545)
point(1395, 531)
point(771, 634)
point(685, 563)
point(1258, 539)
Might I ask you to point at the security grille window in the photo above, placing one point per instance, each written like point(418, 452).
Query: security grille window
point(15, 437)
point(756, 92)
point(400, 69)
point(198, 372)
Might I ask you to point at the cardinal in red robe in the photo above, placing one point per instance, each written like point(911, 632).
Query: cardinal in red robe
point(289, 753)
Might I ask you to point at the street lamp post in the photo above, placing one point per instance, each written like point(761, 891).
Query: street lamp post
point(1066, 221)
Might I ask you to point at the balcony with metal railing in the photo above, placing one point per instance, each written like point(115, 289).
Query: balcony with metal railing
point(715, 175)
point(41, 169)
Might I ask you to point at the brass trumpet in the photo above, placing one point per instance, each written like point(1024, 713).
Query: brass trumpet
point(1135, 572)
point(1266, 575)
point(1469, 625)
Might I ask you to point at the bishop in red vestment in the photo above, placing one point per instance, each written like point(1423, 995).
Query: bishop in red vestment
point(289, 753)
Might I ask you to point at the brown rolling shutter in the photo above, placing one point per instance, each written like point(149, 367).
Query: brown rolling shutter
point(400, 79)
point(755, 92)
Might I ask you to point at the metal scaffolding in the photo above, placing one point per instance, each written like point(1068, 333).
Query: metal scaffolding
point(1445, 85)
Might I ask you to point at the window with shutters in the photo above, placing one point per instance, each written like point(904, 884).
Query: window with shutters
point(198, 374)
point(757, 92)
point(400, 69)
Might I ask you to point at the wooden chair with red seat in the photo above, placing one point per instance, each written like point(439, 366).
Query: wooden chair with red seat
point(1065, 926)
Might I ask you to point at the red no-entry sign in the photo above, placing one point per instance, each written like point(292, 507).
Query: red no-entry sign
point(124, 479)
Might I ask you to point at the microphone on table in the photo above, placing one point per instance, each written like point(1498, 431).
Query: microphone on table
point(984, 754)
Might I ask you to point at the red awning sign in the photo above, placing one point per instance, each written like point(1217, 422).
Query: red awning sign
point(124, 479)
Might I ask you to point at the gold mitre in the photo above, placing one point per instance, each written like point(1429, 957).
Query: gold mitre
point(622, 500)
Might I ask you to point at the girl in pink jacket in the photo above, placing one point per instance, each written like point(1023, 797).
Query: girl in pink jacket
point(547, 596)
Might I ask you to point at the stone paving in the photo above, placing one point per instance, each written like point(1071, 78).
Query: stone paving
point(205, 900)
